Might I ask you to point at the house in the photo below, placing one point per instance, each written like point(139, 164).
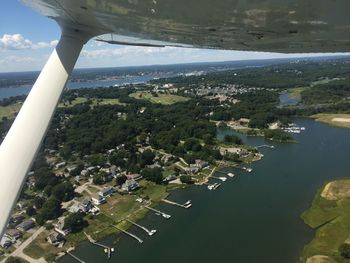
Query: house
point(60, 228)
point(130, 185)
point(134, 176)
point(98, 199)
point(167, 158)
point(14, 234)
point(60, 165)
point(26, 225)
point(5, 242)
point(85, 205)
point(55, 238)
point(170, 178)
point(21, 205)
point(16, 219)
point(193, 169)
point(201, 164)
point(107, 191)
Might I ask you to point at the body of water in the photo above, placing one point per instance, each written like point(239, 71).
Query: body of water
point(253, 217)
point(25, 89)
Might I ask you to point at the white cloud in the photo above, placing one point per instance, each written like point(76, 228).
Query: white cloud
point(18, 42)
point(122, 52)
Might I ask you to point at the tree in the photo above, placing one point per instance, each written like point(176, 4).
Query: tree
point(344, 250)
point(153, 175)
point(98, 179)
point(15, 260)
point(30, 211)
point(186, 179)
point(75, 222)
point(63, 191)
point(233, 139)
point(120, 180)
point(50, 210)
point(147, 156)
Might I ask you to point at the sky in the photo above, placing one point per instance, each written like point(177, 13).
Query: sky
point(27, 39)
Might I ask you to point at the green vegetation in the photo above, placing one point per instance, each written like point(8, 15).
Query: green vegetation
point(331, 219)
point(10, 111)
point(164, 99)
point(295, 93)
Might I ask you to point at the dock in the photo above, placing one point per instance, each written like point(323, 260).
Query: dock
point(106, 249)
point(129, 234)
point(166, 216)
point(266, 146)
point(75, 257)
point(149, 232)
point(221, 178)
point(213, 186)
point(185, 205)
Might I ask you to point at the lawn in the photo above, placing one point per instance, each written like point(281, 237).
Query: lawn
point(155, 192)
point(10, 111)
point(165, 99)
point(39, 247)
point(295, 93)
point(95, 102)
point(331, 219)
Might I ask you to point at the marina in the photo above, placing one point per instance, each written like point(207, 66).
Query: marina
point(238, 204)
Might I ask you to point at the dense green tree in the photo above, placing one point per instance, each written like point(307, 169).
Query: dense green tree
point(75, 221)
point(153, 174)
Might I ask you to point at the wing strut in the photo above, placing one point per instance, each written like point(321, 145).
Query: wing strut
point(23, 140)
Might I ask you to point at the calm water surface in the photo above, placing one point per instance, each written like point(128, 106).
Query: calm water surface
point(252, 218)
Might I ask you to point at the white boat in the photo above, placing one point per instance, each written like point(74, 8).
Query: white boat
point(230, 174)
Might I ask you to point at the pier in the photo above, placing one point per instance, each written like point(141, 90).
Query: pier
point(213, 186)
point(186, 205)
point(166, 216)
point(129, 234)
point(106, 249)
point(149, 232)
point(75, 257)
point(222, 178)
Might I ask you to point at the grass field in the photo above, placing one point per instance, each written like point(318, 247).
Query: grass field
point(39, 247)
point(295, 93)
point(331, 219)
point(95, 102)
point(333, 119)
point(165, 99)
point(10, 111)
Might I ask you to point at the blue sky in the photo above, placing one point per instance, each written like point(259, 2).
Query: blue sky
point(27, 39)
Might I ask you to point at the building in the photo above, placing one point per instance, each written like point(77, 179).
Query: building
point(60, 228)
point(134, 177)
point(130, 185)
point(107, 191)
point(26, 225)
point(5, 242)
point(16, 219)
point(201, 164)
point(60, 165)
point(55, 238)
point(14, 234)
point(98, 199)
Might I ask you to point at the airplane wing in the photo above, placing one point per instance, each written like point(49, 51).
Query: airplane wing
point(255, 25)
point(263, 25)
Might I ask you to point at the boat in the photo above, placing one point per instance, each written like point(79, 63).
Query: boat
point(230, 174)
